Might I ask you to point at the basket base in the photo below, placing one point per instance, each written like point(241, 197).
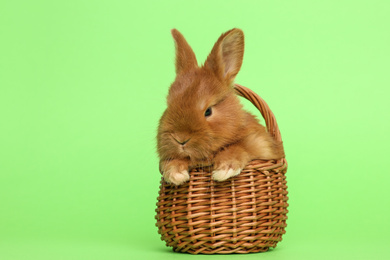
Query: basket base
point(221, 250)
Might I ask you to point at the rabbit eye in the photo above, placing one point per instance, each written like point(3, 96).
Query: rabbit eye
point(208, 112)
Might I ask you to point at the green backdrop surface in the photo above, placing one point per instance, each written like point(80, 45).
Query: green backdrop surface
point(83, 84)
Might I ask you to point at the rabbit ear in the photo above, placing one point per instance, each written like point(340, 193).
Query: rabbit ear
point(185, 57)
point(226, 57)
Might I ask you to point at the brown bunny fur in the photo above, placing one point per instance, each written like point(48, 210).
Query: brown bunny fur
point(228, 137)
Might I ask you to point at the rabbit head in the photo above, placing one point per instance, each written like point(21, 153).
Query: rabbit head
point(203, 114)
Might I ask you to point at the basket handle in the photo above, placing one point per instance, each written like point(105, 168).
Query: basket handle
point(261, 105)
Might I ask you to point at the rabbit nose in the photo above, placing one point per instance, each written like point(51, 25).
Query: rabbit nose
point(181, 139)
point(183, 142)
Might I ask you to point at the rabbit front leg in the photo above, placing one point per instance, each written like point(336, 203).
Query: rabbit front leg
point(229, 162)
point(175, 171)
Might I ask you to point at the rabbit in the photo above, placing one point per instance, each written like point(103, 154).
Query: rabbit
point(204, 122)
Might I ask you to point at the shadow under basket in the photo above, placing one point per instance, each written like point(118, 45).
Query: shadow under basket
point(244, 214)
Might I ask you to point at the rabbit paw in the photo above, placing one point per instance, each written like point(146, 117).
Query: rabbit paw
point(175, 171)
point(176, 178)
point(225, 173)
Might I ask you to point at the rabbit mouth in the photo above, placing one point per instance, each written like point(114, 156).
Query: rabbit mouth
point(193, 154)
point(183, 149)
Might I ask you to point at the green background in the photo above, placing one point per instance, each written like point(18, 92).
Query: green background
point(83, 84)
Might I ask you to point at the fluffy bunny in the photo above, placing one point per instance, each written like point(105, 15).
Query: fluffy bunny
point(204, 123)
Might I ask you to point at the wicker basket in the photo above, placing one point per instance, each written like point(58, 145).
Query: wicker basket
point(243, 214)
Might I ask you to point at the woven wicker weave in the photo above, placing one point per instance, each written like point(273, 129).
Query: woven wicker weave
point(243, 214)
